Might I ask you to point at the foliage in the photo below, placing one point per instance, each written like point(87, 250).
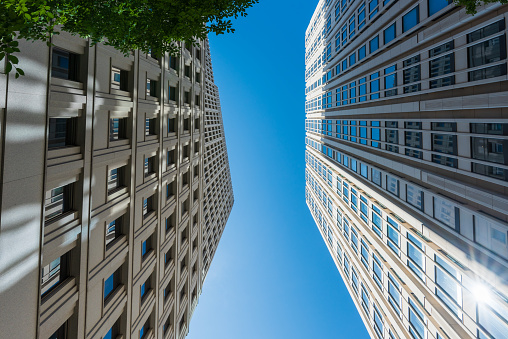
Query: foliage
point(471, 5)
point(126, 25)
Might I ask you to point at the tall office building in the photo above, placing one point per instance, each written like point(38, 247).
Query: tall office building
point(407, 162)
point(115, 190)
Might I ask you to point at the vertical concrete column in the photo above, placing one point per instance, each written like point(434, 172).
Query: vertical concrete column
point(22, 190)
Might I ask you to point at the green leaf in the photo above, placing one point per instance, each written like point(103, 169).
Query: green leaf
point(8, 67)
point(13, 59)
point(20, 71)
point(2, 56)
point(17, 75)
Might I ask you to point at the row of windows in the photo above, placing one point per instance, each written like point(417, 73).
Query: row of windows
point(63, 131)
point(66, 65)
point(358, 20)
point(447, 278)
point(440, 66)
point(488, 149)
point(486, 232)
point(417, 320)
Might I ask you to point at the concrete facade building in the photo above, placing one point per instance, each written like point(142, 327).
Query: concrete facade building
point(407, 163)
point(115, 190)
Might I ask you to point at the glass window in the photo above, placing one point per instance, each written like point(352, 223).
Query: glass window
point(487, 73)
point(394, 293)
point(392, 231)
point(58, 202)
point(364, 170)
point(392, 185)
point(489, 149)
point(416, 258)
point(447, 213)
point(442, 65)
point(374, 44)
point(414, 196)
point(437, 5)
point(61, 132)
point(64, 65)
point(53, 274)
point(487, 52)
point(113, 230)
point(362, 51)
point(377, 269)
point(110, 284)
point(416, 328)
point(411, 19)
point(378, 322)
point(489, 128)
point(484, 32)
point(117, 129)
point(491, 321)
point(376, 176)
point(389, 34)
point(449, 285)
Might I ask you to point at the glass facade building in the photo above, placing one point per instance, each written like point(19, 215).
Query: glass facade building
point(407, 164)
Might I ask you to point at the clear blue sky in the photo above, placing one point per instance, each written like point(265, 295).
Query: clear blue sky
point(272, 276)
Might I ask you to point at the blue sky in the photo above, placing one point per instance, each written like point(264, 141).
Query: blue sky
point(272, 276)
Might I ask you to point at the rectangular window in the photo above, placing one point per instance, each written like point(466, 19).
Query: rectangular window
point(393, 234)
point(377, 271)
point(487, 52)
point(378, 322)
point(117, 129)
point(173, 62)
point(151, 126)
point(53, 274)
point(416, 259)
point(374, 45)
point(392, 185)
point(416, 328)
point(444, 143)
point(414, 196)
point(442, 65)
point(151, 88)
point(389, 34)
point(437, 5)
point(489, 128)
point(391, 82)
point(65, 65)
point(411, 19)
point(58, 202)
point(148, 206)
point(394, 293)
point(365, 300)
point(490, 171)
point(113, 230)
point(62, 132)
point(119, 79)
point(145, 288)
point(116, 179)
point(443, 82)
point(172, 94)
point(486, 31)
point(149, 166)
point(490, 149)
point(412, 74)
point(447, 213)
point(111, 283)
point(362, 51)
point(487, 73)
point(413, 139)
point(365, 255)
